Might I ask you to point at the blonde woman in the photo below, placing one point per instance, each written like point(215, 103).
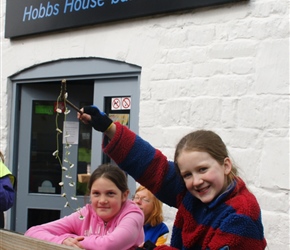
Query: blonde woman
point(155, 229)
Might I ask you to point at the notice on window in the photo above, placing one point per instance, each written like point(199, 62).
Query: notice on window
point(121, 103)
point(121, 118)
point(70, 133)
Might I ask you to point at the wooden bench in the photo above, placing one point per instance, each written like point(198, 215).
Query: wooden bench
point(15, 241)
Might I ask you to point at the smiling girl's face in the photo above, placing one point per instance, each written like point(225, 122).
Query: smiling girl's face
point(106, 198)
point(204, 177)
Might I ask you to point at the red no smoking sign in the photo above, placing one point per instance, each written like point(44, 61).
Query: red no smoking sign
point(121, 103)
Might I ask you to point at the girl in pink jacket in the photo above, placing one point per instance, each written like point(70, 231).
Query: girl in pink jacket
point(111, 221)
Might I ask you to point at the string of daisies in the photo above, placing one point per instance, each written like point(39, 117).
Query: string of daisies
point(66, 160)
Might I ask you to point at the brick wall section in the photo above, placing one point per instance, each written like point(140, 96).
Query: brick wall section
point(224, 68)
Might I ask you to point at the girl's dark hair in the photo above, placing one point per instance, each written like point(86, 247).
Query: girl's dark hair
point(112, 173)
point(2, 157)
point(205, 141)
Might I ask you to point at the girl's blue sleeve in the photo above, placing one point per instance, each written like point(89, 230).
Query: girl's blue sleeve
point(7, 194)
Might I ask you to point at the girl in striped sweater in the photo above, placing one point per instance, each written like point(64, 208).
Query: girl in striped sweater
point(216, 211)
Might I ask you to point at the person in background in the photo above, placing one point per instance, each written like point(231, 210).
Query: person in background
point(7, 191)
point(216, 210)
point(111, 221)
point(155, 229)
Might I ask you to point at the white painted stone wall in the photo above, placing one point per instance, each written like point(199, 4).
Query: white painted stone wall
point(224, 68)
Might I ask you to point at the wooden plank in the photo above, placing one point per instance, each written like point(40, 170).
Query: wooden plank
point(14, 241)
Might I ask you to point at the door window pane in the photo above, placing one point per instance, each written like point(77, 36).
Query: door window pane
point(84, 155)
point(45, 171)
point(40, 216)
point(113, 107)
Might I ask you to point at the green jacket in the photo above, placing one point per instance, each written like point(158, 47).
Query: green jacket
point(4, 171)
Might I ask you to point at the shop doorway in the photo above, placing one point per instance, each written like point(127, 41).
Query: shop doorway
point(39, 195)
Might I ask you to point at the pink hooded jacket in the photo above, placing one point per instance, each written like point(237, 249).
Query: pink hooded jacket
point(123, 232)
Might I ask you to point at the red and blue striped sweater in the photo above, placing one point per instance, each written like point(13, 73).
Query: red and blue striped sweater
point(231, 221)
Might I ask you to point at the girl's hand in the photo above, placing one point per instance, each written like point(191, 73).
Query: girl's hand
point(85, 118)
point(96, 118)
point(74, 242)
point(141, 245)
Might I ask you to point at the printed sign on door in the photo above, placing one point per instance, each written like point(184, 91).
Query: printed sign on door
point(121, 103)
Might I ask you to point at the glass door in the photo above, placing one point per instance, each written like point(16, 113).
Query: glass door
point(40, 173)
point(119, 98)
point(39, 195)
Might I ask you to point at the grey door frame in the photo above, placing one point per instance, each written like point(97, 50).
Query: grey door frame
point(104, 72)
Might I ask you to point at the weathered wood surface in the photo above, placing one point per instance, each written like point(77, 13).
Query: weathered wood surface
point(15, 241)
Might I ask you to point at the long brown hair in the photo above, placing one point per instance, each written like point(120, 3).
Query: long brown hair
point(2, 157)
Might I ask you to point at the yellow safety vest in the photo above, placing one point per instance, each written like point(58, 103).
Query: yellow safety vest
point(4, 171)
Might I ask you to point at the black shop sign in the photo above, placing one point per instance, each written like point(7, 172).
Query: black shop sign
point(27, 17)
